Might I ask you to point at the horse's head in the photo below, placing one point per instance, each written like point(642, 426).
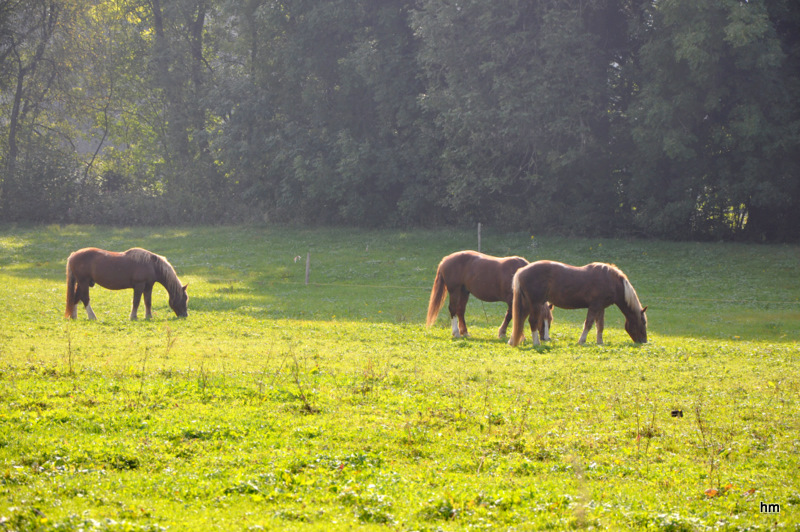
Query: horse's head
point(636, 325)
point(179, 302)
point(547, 314)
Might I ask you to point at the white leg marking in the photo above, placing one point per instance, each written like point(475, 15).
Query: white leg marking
point(454, 323)
point(535, 335)
point(546, 331)
point(585, 334)
point(90, 312)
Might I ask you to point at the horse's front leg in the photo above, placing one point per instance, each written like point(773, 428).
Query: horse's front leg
point(138, 288)
point(148, 295)
point(600, 319)
point(587, 325)
point(501, 332)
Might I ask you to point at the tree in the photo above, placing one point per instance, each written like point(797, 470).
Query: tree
point(321, 116)
point(714, 122)
point(521, 96)
point(37, 162)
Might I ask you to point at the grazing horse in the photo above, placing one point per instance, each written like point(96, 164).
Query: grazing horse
point(488, 278)
point(594, 286)
point(136, 268)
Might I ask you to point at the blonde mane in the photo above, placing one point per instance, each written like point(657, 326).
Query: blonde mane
point(631, 299)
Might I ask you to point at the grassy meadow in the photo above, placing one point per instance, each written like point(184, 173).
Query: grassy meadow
point(283, 406)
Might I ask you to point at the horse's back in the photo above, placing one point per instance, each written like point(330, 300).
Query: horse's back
point(568, 286)
point(537, 278)
point(475, 260)
point(110, 269)
point(486, 277)
point(81, 258)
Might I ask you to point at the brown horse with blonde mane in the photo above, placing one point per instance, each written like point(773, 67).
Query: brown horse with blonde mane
point(136, 268)
point(486, 277)
point(594, 287)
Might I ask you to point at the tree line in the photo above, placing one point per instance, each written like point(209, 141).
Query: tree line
point(660, 118)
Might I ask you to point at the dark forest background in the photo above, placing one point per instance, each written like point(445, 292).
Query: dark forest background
point(675, 119)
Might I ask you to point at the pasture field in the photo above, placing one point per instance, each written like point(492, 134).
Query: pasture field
point(281, 406)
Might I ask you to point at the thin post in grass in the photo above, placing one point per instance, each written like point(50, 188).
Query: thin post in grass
point(308, 266)
point(479, 237)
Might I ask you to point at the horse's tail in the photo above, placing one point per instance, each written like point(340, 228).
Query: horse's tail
point(72, 286)
point(438, 293)
point(520, 309)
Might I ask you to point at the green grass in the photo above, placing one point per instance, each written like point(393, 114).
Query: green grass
point(279, 406)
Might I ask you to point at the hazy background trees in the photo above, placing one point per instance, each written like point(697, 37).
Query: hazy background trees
point(675, 119)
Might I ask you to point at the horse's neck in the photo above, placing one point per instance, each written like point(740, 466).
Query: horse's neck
point(163, 278)
point(626, 309)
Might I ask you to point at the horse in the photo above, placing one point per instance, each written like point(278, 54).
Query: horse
point(594, 287)
point(487, 277)
point(136, 268)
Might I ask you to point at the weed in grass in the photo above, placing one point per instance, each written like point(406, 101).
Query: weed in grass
point(143, 373)
point(303, 392)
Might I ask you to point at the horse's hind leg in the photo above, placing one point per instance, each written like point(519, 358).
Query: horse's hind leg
point(457, 307)
point(462, 309)
point(82, 295)
point(455, 299)
point(535, 320)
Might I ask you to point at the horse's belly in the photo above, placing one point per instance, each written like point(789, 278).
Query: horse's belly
point(119, 279)
point(490, 296)
point(566, 301)
point(577, 303)
point(112, 284)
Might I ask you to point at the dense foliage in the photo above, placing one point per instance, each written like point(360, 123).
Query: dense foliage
point(667, 118)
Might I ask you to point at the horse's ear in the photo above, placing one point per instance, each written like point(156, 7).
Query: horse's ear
point(185, 287)
point(644, 310)
point(551, 306)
